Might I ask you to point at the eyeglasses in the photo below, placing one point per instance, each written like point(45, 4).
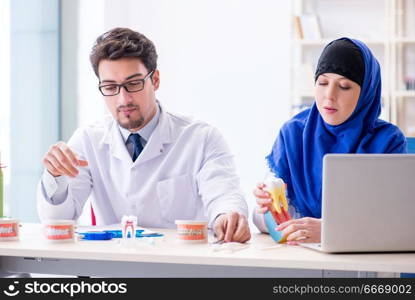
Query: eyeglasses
point(132, 86)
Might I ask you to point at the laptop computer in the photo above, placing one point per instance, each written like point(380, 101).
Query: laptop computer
point(368, 203)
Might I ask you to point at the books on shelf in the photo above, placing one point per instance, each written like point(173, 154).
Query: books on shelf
point(298, 29)
point(307, 27)
point(409, 83)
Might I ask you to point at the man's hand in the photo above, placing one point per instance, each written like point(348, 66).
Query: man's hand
point(232, 227)
point(61, 160)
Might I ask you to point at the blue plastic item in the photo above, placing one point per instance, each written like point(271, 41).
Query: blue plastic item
point(118, 233)
point(138, 234)
point(271, 225)
point(96, 235)
point(411, 144)
point(114, 234)
point(150, 235)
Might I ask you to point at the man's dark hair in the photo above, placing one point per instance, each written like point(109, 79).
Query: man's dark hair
point(123, 42)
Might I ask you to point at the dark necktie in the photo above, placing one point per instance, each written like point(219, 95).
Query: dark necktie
point(137, 147)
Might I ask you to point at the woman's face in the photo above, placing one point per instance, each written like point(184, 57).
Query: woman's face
point(336, 97)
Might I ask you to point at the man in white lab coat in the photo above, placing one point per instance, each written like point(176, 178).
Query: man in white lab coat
point(142, 160)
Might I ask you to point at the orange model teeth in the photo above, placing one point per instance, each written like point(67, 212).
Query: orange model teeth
point(279, 205)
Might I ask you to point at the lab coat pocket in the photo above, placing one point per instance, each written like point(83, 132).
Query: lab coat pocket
point(177, 198)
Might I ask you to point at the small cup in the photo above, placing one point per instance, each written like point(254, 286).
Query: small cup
point(9, 229)
point(192, 231)
point(59, 231)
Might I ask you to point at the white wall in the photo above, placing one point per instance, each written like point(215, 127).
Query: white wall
point(222, 61)
point(5, 94)
point(34, 98)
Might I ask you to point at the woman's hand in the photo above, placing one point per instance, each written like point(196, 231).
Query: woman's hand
point(304, 230)
point(263, 198)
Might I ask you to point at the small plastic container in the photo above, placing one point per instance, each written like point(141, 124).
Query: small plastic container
point(192, 231)
point(9, 229)
point(59, 231)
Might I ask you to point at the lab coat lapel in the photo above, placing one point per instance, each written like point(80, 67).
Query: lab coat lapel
point(116, 143)
point(161, 136)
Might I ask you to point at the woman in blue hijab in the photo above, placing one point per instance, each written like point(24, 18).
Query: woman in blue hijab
point(343, 119)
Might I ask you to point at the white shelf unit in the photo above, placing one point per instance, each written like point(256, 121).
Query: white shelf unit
point(387, 27)
point(403, 56)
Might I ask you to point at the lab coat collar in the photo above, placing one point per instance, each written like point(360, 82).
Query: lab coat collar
point(161, 136)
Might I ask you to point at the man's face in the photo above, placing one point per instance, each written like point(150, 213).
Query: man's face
point(132, 110)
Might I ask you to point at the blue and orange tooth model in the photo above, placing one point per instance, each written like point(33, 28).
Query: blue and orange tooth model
point(278, 210)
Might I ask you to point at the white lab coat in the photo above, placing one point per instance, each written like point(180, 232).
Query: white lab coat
point(185, 171)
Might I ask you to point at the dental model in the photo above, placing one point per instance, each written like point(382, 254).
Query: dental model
point(129, 224)
point(278, 210)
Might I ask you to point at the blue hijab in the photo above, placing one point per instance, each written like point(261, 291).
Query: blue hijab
point(297, 154)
